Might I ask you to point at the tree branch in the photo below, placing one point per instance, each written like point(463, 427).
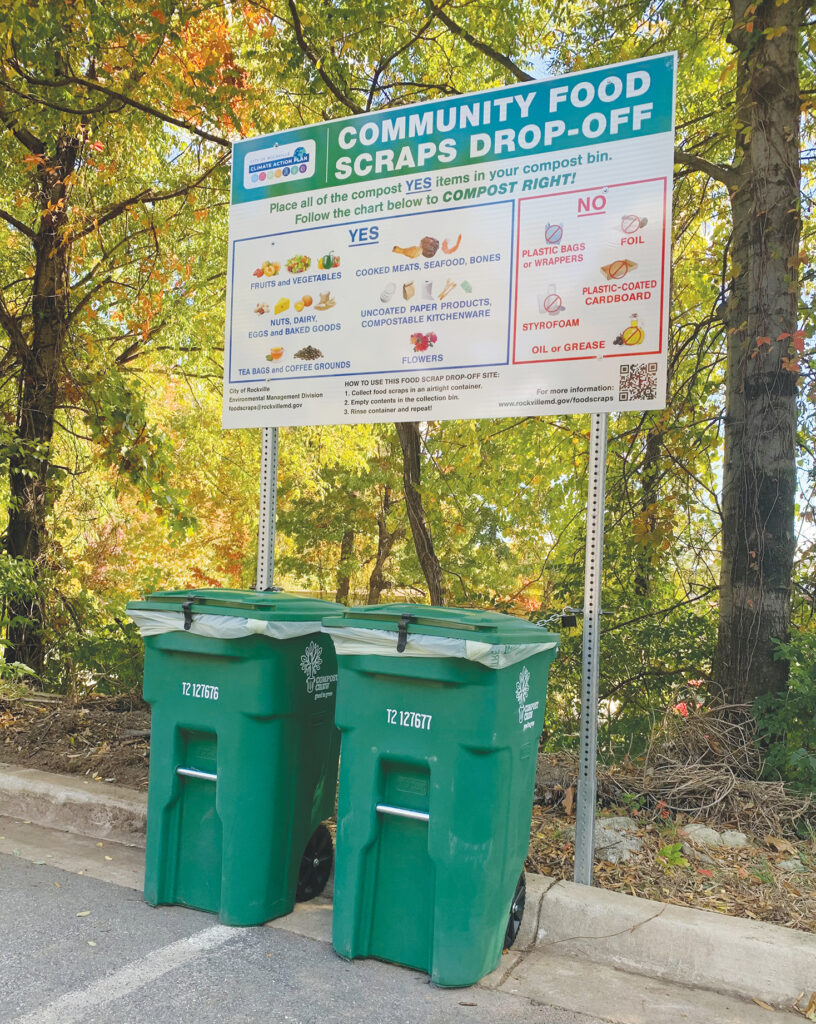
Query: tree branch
point(23, 135)
point(128, 101)
point(11, 325)
point(318, 64)
point(145, 196)
point(17, 225)
point(725, 175)
point(477, 44)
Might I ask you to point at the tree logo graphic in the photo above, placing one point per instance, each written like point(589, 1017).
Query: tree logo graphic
point(522, 691)
point(310, 662)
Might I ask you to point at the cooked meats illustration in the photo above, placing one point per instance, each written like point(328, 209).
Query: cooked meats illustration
point(429, 246)
point(410, 252)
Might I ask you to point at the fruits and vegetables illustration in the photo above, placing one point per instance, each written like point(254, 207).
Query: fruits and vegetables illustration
point(327, 300)
point(328, 261)
point(630, 223)
point(448, 248)
point(422, 342)
point(310, 352)
point(297, 264)
point(409, 252)
point(269, 268)
point(631, 335)
point(281, 305)
point(429, 246)
point(617, 269)
point(408, 290)
point(449, 286)
point(274, 354)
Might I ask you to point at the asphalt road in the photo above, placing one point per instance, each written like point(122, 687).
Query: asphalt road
point(75, 950)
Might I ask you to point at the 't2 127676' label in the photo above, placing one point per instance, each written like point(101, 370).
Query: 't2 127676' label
point(409, 719)
point(199, 690)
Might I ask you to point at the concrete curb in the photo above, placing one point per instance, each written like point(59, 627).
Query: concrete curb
point(73, 804)
point(691, 947)
point(674, 944)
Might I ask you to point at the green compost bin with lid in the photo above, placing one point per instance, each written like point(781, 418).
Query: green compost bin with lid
point(440, 711)
point(243, 750)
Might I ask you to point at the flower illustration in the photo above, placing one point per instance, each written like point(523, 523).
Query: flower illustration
point(422, 342)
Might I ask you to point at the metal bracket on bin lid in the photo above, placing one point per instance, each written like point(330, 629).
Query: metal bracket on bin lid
point(187, 609)
point(402, 631)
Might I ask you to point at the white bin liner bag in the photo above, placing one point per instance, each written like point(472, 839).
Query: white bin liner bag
point(220, 627)
point(383, 642)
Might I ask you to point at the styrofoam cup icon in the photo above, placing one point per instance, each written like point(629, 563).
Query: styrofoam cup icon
point(551, 302)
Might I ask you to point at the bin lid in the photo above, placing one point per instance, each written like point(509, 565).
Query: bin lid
point(270, 605)
point(229, 614)
point(394, 630)
point(466, 623)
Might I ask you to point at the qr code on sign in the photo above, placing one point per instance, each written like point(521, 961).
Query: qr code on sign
point(637, 382)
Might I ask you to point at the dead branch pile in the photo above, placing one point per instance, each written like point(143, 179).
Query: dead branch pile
point(705, 766)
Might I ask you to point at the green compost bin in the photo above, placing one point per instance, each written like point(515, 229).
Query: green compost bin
point(440, 711)
point(243, 750)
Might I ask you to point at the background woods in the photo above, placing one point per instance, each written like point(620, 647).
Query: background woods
point(116, 475)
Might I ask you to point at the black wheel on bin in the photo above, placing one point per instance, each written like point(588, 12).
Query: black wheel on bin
point(315, 865)
point(516, 912)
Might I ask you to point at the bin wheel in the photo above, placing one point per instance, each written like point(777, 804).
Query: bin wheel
point(516, 912)
point(315, 865)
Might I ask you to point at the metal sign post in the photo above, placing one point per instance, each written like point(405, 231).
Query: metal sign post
point(265, 574)
point(587, 783)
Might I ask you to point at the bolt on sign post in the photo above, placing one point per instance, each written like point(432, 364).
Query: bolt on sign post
point(503, 253)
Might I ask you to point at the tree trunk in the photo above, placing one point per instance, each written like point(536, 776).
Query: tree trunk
point(377, 582)
point(408, 434)
point(40, 389)
point(649, 495)
point(343, 575)
point(759, 469)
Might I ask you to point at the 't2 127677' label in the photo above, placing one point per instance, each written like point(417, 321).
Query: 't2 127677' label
point(408, 719)
point(199, 690)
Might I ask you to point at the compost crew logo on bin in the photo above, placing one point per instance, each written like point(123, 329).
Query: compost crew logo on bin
point(526, 711)
point(311, 661)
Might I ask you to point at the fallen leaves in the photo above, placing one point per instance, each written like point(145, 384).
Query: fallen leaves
point(763, 1004)
point(780, 845)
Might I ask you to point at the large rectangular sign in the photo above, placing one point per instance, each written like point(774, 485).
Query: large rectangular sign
point(495, 254)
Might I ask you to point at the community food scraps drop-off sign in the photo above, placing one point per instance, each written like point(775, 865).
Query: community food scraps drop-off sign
point(497, 254)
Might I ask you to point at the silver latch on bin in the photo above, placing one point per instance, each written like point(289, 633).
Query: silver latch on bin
point(403, 812)
point(402, 631)
point(195, 773)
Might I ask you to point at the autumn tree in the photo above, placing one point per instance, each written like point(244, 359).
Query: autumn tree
point(109, 136)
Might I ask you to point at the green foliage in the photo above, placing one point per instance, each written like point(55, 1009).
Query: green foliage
point(672, 856)
point(14, 677)
point(787, 721)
